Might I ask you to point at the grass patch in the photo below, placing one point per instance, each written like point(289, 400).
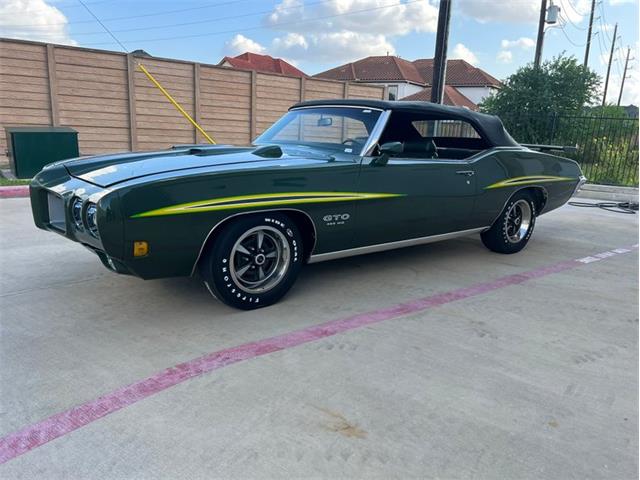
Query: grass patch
point(6, 182)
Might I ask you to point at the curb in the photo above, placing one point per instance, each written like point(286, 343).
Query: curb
point(14, 191)
point(608, 193)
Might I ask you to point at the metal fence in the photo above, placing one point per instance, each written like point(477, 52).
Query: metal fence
point(607, 146)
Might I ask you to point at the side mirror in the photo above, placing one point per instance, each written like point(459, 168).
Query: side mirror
point(386, 150)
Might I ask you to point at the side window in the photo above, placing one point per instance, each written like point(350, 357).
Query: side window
point(393, 92)
point(430, 138)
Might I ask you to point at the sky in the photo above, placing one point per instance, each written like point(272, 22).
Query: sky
point(316, 35)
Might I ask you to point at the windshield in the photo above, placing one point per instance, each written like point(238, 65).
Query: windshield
point(343, 129)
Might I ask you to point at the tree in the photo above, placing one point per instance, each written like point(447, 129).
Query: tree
point(558, 104)
point(560, 85)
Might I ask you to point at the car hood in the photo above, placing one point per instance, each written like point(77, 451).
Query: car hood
point(108, 170)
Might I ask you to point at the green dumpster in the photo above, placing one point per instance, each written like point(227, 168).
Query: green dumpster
point(31, 148)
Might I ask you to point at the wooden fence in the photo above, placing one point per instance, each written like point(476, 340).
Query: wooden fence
point(114, 107)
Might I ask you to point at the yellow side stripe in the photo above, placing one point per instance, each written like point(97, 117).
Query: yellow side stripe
point(264, 200)
point(515, 181)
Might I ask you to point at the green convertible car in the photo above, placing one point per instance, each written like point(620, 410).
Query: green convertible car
point(330, 179)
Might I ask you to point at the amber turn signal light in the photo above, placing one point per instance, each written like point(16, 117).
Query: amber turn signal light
point(140, 249)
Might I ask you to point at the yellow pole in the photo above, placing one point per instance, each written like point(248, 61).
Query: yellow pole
point(176, 104)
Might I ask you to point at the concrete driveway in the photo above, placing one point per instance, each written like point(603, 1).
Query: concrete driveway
point(535, 376)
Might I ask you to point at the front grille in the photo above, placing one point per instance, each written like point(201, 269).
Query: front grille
point(56, 212)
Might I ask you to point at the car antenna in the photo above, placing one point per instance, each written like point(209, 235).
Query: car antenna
point(152, 79)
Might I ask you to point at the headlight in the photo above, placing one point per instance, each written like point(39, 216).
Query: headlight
point(90, 219)
point(76, 212)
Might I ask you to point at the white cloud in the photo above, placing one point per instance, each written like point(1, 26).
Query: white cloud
point(607, 27)
point(508, 12)
point(342, 46)
point(339, 31)
point(620, 2)
point(346, 30)
point(575, 10)
point(461, 51)
point(504, 56)
point(33, 20)
point(522, 42)
point(240, 44)
point(336, 47)
point(362, 16)
point(294, 44)
point(631, 92)
point(603, 58)
point(521, 11)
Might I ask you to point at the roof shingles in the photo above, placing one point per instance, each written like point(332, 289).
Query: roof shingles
point(381, 68)
point(459, 73)
point(391, 68)
point(263, 63)
point(452, 96)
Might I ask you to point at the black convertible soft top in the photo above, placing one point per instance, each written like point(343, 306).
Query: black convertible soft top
point(489, 126)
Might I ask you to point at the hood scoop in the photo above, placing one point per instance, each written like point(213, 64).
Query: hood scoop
point(105, 171)
point(268, 151)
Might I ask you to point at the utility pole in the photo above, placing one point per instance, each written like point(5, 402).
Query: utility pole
point(541, 22)
point(440, 57)
point(624, 75)
point(588, 47)
point(613, 47)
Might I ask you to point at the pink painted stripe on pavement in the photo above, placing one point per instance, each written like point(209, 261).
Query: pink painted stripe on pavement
point(14, 191)
point(62, 423)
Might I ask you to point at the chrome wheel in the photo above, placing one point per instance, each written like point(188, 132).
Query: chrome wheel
point(259, 259)
point(518, 221)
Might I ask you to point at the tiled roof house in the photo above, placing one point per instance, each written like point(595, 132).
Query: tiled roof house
point(262, 63)
point(466, 85)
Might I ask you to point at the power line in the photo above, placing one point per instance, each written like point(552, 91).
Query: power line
point(260, 27)
point(567, 19)
point(130, 17)
point(601, 46)
point(573, 8)
point(103, 26)
point(567, 36)
point(603, 18)
point(153, 80)
point(74, 4)
point(617, 62)
point(198, 22)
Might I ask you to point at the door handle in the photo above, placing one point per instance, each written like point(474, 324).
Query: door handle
point(466, 173)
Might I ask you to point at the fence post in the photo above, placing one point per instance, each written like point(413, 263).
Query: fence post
point(196, 99)
point(53, 85)
point(303, 85)
point(131, 87)
point(553, 127)
point(253, 110)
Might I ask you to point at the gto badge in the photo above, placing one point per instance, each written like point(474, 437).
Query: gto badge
point(336, 218)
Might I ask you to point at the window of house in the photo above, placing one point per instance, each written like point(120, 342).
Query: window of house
point(393, 92)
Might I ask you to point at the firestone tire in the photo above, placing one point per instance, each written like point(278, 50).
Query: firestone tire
point(254, 261)
point(511, 232)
